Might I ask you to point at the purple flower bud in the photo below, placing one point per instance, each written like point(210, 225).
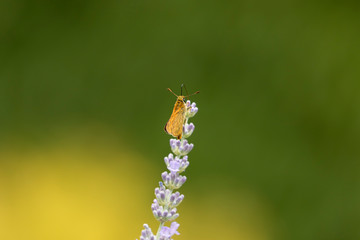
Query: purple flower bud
point(176, 181)
point(165, 214)
point(179, 200)
point(173, 211)
point(173, 217)
point(162, 196)
point(172, 176)
point(183, 180)
point(163, 176)
point(169, 158)
point(191, 147)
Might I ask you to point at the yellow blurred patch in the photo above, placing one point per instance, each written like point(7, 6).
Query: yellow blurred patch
point(83, 186)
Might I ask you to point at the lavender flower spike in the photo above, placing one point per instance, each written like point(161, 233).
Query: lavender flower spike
point(164, 206)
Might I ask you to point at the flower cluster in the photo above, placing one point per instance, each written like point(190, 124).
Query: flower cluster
point(166, 201)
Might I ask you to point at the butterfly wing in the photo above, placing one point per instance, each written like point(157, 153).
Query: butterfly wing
point(175, 124)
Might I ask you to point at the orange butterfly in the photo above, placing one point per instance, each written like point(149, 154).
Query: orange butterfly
point(175, 124)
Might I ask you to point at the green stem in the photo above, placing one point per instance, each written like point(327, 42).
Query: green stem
point(158, 232)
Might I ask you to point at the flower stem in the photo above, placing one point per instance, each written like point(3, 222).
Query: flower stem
point(158, 232)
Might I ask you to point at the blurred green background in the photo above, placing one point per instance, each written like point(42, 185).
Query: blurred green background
point(83, 103)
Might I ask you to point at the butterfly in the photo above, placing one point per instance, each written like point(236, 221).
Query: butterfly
point(177, 119)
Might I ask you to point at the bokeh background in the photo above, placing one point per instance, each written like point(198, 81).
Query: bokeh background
point(83, 103)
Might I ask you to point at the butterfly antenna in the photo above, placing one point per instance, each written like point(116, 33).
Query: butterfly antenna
point(193, 93)
point(185, 89)
point(172, 92)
